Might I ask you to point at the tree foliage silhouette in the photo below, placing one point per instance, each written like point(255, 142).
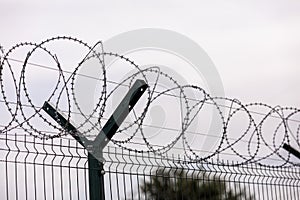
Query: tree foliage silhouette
point(178, 184)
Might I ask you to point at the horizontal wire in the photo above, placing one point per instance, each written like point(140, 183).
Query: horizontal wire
point(145, 125)
point(166, 94)
point(68, 137)
point(15, 141)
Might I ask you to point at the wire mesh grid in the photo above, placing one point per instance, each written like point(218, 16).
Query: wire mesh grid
point(58, 169)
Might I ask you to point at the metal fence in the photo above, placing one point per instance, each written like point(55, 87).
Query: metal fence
point(43, 154)
point(36, 169)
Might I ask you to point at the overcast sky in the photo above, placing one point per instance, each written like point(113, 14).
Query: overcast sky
point(255, 45)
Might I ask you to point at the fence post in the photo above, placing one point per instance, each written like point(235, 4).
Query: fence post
point(95, 148)
point(96, 178)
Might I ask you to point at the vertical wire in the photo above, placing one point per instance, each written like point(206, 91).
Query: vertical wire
point(137, 175)
point(16, 168)
point(77, 170)
point(85, 171)
point(61, 172)
point(109, 152)
point(34, 169)
point(117, 175)
point(44, 173)
point(69, 170)
point(6, 166)
point(123, 172)
point(131, 174)
point(25, 165)
point(52, 170)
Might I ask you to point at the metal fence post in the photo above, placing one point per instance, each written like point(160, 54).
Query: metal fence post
point(96, 178)
point(95, 167)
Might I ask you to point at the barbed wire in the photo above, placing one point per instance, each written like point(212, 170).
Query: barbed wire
point(265, 132)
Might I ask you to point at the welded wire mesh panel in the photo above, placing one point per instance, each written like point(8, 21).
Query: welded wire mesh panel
point(134, 175)
point(38, 169)
point(31, 168)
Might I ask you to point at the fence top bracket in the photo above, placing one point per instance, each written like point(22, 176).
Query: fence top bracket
point(111, 126)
